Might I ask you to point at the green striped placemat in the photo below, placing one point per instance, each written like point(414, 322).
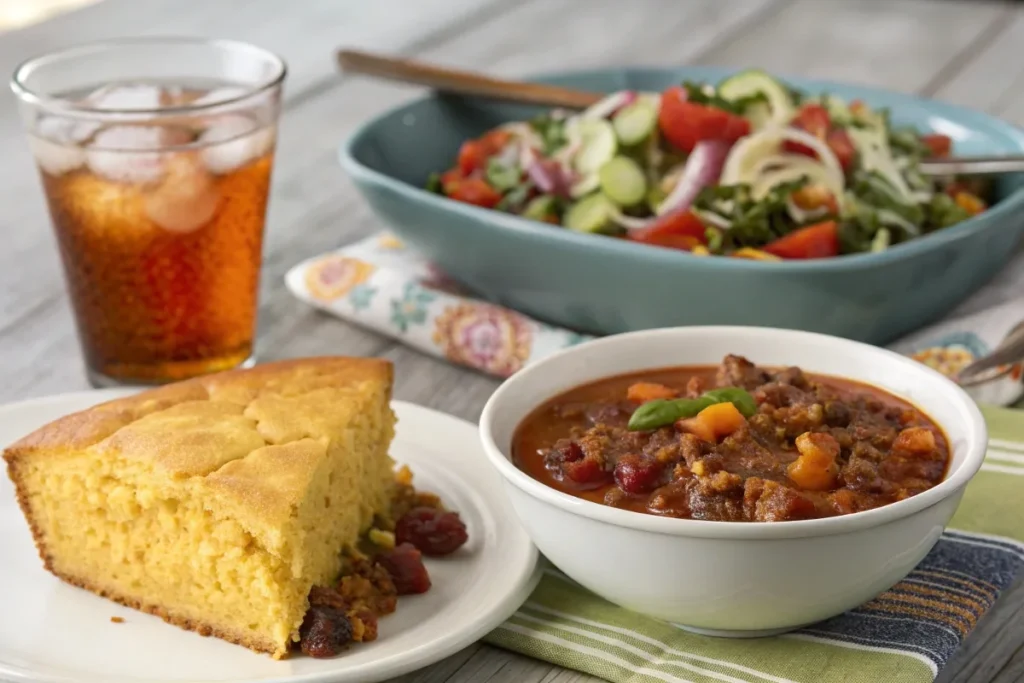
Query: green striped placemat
point(904, 635)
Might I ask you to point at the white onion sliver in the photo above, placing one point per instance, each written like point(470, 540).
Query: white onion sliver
point(607, 106)
point(803, 215)
point(713, 218)
point(747, 152)
point(742, 165)
point(630, 222)
point(509, 154)
point(703, 168)
point(825, 155)
point(789, 167)
point(524, 132)
point(892, 218)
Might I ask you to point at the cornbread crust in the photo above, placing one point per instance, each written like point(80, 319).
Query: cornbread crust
point(251, 444)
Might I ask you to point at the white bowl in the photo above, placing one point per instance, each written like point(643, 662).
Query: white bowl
point(734, 578)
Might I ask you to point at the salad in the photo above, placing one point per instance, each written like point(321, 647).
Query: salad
point(748, 168)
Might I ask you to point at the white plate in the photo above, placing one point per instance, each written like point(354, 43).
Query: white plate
point(52, 632)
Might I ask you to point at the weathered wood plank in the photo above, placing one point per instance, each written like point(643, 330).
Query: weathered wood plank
point(443, 670)
point(994, 646)
point(901, 45)
point(498, 666)
point(566, 676)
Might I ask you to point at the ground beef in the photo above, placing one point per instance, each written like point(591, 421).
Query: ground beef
point(878, 451)
point(737, 371)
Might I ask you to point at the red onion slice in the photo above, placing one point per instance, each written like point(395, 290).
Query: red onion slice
point(703, 168)
point(548, 175)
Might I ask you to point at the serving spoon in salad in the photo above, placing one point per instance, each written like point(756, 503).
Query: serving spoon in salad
point(460, 82)
point(464, 82)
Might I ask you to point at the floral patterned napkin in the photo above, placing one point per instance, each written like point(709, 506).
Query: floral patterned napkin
point(383, 285)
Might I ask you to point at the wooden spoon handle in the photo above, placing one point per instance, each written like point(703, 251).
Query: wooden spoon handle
point(463, 82)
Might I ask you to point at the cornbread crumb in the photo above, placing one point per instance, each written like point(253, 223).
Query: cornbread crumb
point(404, 476)
point(117, 620)
point(215, 503)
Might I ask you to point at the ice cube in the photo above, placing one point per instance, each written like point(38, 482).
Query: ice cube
point(228, 92)
point(129, 97)
point(187, 198)
point(55, 145)
point(133, 154)
point(232, 141)
point(56, 159)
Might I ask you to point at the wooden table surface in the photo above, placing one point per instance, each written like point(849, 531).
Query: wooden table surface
point(962, 51)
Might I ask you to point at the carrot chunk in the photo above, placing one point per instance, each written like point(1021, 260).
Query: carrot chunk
point(714, 422)
point(641, 392)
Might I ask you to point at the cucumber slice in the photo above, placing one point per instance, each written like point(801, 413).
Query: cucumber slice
point(590, 214)
point(540, 207)
point(633, 124)
point(754, 81)
point(597, 145)
point(623, 181)
point(585, 185)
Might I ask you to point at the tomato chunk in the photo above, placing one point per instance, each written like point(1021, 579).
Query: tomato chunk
point(450, 180)
point(820, 240)
point(473, 154)
point(938, 145)
point(474, 191)
point(841, 145)
point(814, 119)
point(685, 123)
point(681, 230)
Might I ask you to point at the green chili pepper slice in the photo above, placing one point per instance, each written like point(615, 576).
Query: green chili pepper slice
point(661, 412)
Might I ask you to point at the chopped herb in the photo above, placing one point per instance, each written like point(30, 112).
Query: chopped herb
point(696, 93)
point(714, 239)
point(907, 141)
point(500, 176)
point(551, 131)
point(872, 188)
point(858, 227)
point(434, 183)
point(943, 211)
point(514, 200)
point(753, 222)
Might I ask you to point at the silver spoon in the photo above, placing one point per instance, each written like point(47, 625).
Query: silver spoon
point(987, 165)
point(1009, 352)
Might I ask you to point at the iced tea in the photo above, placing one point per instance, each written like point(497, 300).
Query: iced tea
point(158, 191)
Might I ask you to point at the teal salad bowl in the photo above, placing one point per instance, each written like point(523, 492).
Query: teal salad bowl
point(604, 286)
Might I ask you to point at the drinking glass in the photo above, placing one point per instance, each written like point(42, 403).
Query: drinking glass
point(155, 156)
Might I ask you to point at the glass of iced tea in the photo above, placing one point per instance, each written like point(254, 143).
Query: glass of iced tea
point(155, 156)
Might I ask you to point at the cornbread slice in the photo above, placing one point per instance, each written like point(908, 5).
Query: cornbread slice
point(218, 502)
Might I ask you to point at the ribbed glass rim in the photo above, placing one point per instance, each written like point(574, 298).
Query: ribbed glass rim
point(24, 71)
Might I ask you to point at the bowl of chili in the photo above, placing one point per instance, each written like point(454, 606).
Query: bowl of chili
point(610, 284)
point(795, 479)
